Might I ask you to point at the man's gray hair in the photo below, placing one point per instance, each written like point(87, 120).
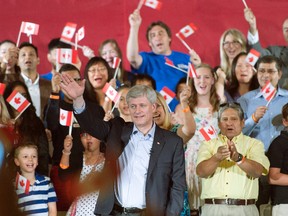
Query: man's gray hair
point(234, 105)
point(142, 90)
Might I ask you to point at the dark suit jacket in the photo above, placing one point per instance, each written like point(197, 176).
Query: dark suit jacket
point(165, 183)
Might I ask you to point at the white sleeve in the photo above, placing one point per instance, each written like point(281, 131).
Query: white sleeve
point(252, 39)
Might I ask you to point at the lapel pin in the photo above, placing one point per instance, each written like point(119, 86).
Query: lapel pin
point(158, 143)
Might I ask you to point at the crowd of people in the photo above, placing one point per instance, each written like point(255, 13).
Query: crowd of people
point(219, 147)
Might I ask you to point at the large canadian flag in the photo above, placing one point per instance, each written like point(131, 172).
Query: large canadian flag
point(18, 101)
point(65, 117)
point(155, 4)
point(208, 132)
point(111, 93)
point(29, 28)
point(68, 32)
point(191, 70)
point(22, 183)
point(268, 91)
point(66, 55)
point(2, 88)
point(116, 62)
point(187, 30)
point(252, 57)
point(168, 94)
point(81, 33)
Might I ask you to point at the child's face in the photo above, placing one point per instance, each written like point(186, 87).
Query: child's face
point(27, 160)
point(122, 105)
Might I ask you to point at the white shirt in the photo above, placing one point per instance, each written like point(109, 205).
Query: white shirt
point(252, 39)
point(34, 91)
point(133, 166)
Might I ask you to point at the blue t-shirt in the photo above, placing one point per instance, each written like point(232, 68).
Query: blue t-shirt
point(164, 75)
point(47, 76)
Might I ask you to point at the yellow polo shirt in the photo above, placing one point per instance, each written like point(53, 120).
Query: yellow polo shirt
point(229, 181)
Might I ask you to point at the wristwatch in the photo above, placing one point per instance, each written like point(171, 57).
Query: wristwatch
point(240, 157)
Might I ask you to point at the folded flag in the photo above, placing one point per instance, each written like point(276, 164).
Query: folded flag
point(268, 91)
point(191, 70)
point(29, 28)
point(111, 93)
point(208, 132)
point(65, 117)
point(22, 183)
point(68, 32)
point(155, 4)
point(18, 101)
point(187, 30)
point(252, 57)
point(66, 55)
point(81, 33)
point(2, 88)
point(116, 62)
point(168, 94)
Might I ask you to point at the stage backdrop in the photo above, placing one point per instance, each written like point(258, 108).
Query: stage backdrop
point(105, 19)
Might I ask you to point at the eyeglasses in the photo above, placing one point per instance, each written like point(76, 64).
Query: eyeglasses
point(101, 70)
point(77, 79)
point(233, 43)
point(269, 71)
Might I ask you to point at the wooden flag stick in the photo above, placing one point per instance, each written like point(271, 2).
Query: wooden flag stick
point(176, 68)
point(19, 35)
point(245, 4)
point(184, 43)
point(141, 2)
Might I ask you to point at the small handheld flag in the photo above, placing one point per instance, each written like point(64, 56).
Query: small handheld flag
point(252, 57)
point(2, 88)
point(155, 4)
point(168, 94)
point(268, 91)
point(111, 93)
point(68, 32)
point(65, 117)
point(22, 183)
point(208, 132)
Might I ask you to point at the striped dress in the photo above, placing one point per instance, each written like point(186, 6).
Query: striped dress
point(40, 194)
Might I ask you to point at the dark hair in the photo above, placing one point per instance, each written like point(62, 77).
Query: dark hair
point(285, 111)
point(7, 41)
point(68, 67)
point(232, 88)
point(27, 44)
point(181, 81)
point(144, 77)
point(161, 24)
point(270, 59)
point(56, 43)
point(89, 92)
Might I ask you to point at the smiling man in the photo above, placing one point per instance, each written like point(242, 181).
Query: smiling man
point(230, 166)
point(159, 37)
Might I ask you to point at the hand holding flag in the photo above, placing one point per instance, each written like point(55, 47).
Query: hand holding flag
point(185, 32)
point(22, 183)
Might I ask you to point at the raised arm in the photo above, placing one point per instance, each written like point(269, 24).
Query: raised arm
point(251, 19)
point(132, 44)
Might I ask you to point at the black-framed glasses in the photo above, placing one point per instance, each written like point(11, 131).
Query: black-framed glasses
point(233, 43)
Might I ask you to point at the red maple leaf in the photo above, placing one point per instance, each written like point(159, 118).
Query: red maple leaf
point(251, 59)
point(165, 97)
point(68, 32)
point(22, 183)
point(80, 34)
point(62, 116)
point(186, 31)
point(17, 100)
point(267, 90)
point(210, 132)
point(111, 92)
point(29, 28)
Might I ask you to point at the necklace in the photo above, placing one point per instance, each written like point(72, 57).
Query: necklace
point(94, 159)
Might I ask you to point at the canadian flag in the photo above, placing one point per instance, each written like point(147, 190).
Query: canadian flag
point(168, 94)
point(186, 31)
point(169, 62)
point(29, 28)
point(65, 117)
point(66, 55)
point(116, 62)
point(153, 4)
point(252, 57)
point(18, 101)
point(191, 71)
point(68, 32)
point(208, 132)
point(268, 91)
point(111, 93)
point(81, 33)
point(2, 88)
point(22, 183)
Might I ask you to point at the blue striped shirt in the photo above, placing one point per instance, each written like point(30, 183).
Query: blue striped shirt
point(40, 194)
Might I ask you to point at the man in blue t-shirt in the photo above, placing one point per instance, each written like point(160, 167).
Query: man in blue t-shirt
point(159, 37)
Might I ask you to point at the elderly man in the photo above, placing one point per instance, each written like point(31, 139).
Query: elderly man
point(230, 166)
point(149, 160)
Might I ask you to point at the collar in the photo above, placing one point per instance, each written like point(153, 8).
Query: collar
point(224, 138)
point(28, 80)
point(39, 178)
point(150, 133)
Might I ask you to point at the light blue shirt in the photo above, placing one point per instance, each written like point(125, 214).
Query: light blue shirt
point(133, 164)
point(264, 130)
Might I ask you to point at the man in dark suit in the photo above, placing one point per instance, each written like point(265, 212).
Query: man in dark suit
point(146, 162)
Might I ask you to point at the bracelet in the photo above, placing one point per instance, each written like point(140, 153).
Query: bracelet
point(56, 97)
point(65, 153)
point(187, 109)
point(63, 166)
point(240, 162)
point(254, 118)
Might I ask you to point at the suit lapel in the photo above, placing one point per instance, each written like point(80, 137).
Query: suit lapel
point(157, 146)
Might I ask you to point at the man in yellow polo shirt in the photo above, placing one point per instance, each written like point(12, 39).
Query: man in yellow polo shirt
point(230, 166)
